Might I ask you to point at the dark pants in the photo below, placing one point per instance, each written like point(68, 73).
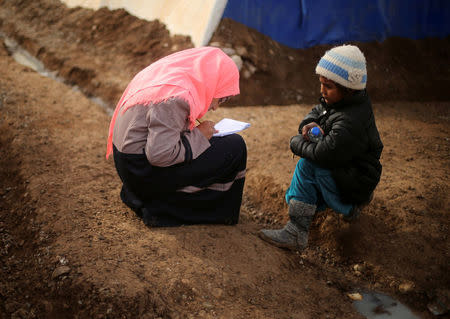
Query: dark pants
point(206, 190)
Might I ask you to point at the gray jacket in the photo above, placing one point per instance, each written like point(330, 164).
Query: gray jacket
point(161, 131)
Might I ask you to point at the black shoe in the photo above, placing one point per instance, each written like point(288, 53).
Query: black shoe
point(356, 210)
point(131, 200)
point(354, 214)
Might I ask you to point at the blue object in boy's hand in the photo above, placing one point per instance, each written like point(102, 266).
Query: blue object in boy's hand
point(315, 135)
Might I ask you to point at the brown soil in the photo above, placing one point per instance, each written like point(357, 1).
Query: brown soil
point(70, 249)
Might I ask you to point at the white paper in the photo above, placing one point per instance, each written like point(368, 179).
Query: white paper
point(228, 126)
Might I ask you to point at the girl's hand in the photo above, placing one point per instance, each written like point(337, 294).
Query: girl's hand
point(307, 127)
point(207, 128)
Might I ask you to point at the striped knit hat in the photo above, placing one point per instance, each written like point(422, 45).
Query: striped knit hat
point(345, 65)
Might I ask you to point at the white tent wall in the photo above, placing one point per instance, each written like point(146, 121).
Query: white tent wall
point(195, 18)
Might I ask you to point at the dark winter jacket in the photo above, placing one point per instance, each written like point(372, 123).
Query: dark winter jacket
point(351, 146)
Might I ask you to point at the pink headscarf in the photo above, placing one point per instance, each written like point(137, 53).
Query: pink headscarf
point(194, 75)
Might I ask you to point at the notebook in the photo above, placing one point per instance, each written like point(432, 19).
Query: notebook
point(228, 126)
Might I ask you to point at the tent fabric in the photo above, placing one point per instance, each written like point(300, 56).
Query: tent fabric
point(305, 23)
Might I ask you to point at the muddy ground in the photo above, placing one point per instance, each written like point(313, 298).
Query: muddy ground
point(70, 249)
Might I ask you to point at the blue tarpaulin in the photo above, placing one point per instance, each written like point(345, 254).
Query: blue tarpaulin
point(305, 23)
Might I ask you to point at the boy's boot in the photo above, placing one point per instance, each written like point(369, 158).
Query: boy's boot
point(295, 234)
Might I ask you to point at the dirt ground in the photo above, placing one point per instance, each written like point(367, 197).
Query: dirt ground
point(70, 249)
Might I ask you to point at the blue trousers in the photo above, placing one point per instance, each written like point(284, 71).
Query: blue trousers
point(314, 185)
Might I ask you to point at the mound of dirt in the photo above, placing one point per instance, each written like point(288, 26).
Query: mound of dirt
point(282, 75)
point(70, 249)
point(272, 74)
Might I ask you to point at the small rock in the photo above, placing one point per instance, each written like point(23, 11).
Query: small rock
point(229, 51)
point(63, 260)
point(355, 296)
point(358, 267)
point(208, 305)
point(251, 67)
point(185, 281)
point(63, 270)
point(238, 60)
point(242, 51)
point(246, 74)
point(406, 287)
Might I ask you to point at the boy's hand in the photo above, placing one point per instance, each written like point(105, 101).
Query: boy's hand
point(307, 127)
